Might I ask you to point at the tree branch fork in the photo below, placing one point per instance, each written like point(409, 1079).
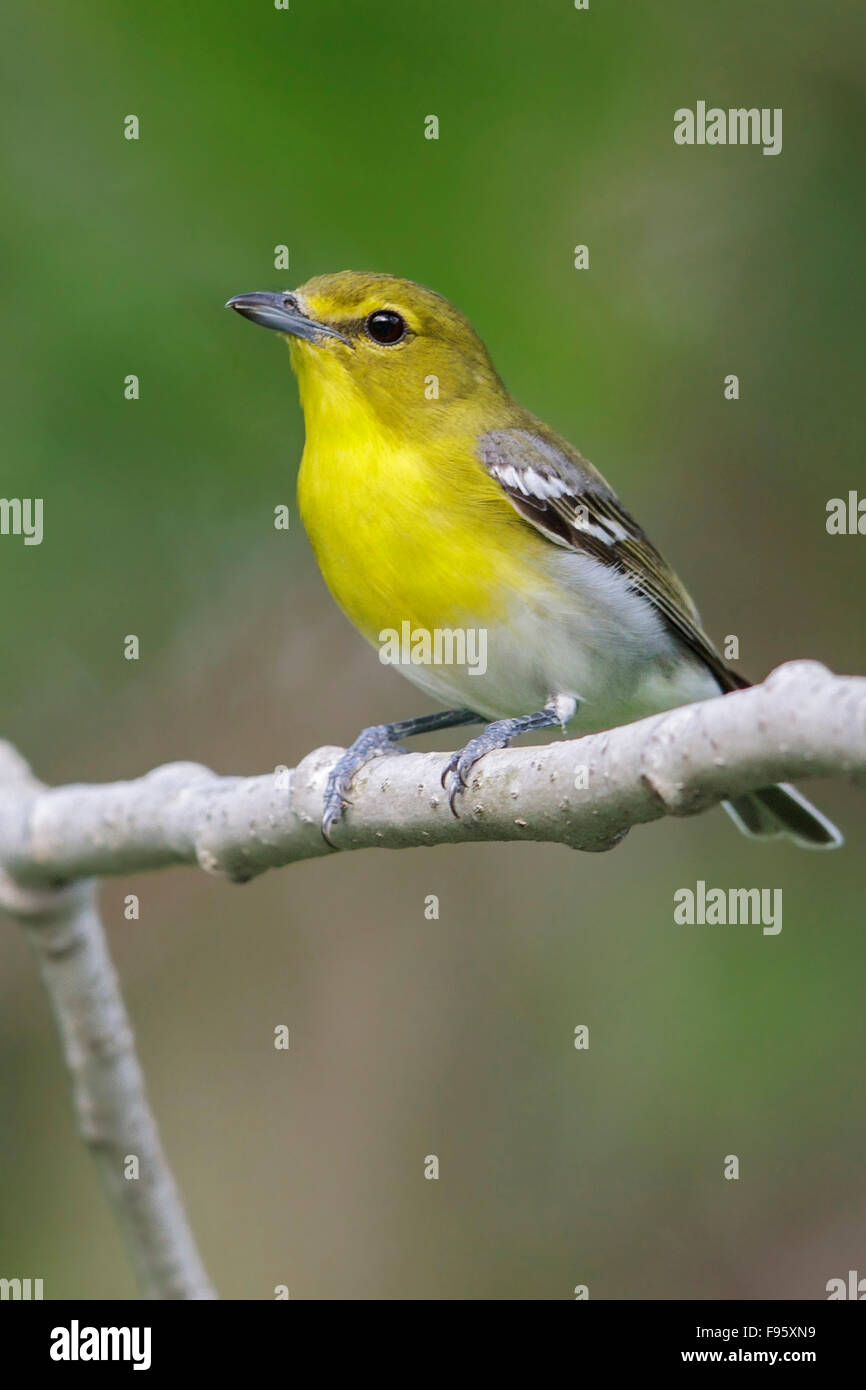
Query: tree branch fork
point(586, 793)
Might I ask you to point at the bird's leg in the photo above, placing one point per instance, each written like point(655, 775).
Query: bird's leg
point(558, 710)
point(378, 740)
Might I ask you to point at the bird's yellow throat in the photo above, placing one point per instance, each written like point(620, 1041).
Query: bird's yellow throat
point(364, 479)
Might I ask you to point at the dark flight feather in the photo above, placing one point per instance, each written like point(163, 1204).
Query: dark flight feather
point(552, 486)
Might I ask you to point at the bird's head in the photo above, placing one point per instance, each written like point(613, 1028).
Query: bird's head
point(376, 342)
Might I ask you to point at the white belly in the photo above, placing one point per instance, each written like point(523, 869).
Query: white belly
point(594, 639)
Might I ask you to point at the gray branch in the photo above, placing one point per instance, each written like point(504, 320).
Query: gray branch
point(587, 793)
point(63, 928)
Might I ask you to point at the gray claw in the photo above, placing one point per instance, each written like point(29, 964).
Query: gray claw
point(343, 773)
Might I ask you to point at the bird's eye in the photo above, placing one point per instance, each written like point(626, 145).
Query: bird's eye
point(384, 326)
point(289, 302)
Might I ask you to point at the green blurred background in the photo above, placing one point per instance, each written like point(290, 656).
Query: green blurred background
point(409, 1037)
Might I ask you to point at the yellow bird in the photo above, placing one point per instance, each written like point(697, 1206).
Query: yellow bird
point(475, 548)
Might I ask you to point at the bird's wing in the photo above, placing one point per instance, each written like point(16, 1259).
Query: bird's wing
point(568, 501)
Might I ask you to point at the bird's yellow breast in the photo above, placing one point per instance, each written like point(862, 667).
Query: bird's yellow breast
point(406, 524)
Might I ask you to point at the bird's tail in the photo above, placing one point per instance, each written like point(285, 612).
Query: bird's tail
point(781, 810)
point(777, 811)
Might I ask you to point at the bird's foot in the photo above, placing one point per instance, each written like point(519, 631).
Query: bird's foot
point(375, 742)
point(378, 741)
point(499, 734)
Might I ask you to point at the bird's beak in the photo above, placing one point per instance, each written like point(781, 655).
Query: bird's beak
point(281, 311)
